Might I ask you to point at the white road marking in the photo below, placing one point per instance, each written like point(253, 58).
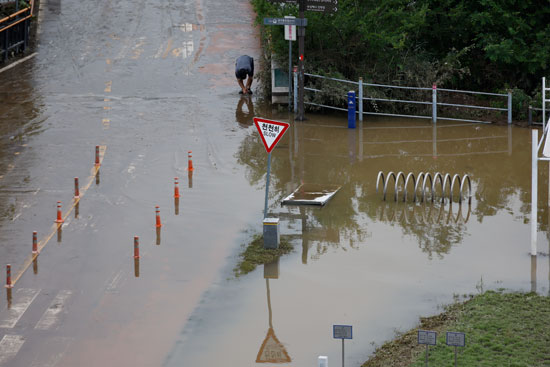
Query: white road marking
point(53, 313)
point(115, 282)
point(24, 298)
point(57, 348)
point(9, 347)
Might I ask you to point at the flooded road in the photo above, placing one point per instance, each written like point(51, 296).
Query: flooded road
point(150, 81)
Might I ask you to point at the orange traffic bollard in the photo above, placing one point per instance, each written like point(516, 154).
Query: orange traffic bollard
point(157, 211)
point(76, 189)
point(176, 188)
point(8, 276)
point(59, 215)
point(190, 157)
point(97, 155)
point(136, 247)
point(34, 243)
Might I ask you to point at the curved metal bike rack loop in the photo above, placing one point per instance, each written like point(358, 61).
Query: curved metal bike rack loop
point(446, 182)
point(405, 187)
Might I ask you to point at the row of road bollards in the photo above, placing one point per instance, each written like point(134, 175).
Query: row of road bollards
point(158, 222)
point(59, 217)
point(59, 220)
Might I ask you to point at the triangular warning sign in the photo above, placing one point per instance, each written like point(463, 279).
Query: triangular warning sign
point(272, 351)
point(270, 131)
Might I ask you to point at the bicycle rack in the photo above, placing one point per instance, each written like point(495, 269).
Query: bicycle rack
point(445, 181)
point(425, 214)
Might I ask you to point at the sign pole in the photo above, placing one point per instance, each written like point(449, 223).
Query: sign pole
point(426, 355)
point(343, 352)
point(301, 47)
point(267, 183)
point(456, 348)
point(290, 75)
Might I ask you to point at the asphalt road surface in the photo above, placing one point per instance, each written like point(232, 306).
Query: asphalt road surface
point(147, 81)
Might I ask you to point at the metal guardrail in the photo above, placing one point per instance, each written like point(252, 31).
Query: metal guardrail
point(434, 103)
point(14, 32)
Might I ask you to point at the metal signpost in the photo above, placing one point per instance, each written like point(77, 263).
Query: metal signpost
point(286, 21)
point(270, 132)
point(342, 332)
point(290, 35)
point(456, 340)
point(428, 338)
point(325, 6)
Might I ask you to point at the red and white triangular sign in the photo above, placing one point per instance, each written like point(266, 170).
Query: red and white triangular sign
point(270, 131)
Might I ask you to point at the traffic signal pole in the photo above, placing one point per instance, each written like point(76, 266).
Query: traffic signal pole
point(301, 46)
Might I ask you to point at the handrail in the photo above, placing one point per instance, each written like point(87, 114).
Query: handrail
point(14, 15)
point(12, 24)
point(434, 103)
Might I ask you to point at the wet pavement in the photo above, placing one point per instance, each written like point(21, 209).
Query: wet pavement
point(150, 81)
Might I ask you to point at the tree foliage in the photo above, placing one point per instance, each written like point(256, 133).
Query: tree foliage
point(483, 44)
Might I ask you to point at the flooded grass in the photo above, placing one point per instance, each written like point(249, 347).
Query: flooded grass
point(501, 329)
point(254, 254)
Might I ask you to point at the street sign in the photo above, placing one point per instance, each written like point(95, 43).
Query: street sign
point(427, 337)
point(326, 6)
point(342, 332)
point(290, 31)
point(456, 339)
point(300, 22)
point(270, 131)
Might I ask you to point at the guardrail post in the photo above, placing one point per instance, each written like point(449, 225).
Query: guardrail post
point(534, 189)
point(434, 103)
point(26, 33)
point(530, 115)
point(360, 99)
point(351, 109)
point(295, 94)
point(509, 107)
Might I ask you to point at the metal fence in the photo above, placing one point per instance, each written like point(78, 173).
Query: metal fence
point(433, 102)
point(14, 33)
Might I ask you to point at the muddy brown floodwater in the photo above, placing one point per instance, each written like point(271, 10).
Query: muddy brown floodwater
point(376, 265)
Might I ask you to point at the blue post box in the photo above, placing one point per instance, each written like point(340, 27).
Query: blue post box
point(351, 109)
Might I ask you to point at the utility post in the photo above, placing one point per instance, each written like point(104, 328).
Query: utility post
point(301, 46)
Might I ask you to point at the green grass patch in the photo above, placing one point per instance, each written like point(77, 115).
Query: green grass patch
point(254, 254)
point(502, 329)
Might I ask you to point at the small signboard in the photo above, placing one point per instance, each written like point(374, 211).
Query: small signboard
point(290, 30)
point(325, 6)
point(456, 339)
point(286, 21)
point(342, 332)
point(427, 337)
point(270, 131)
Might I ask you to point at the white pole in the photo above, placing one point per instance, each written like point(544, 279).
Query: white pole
point(534, 190)
point(544, 103)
